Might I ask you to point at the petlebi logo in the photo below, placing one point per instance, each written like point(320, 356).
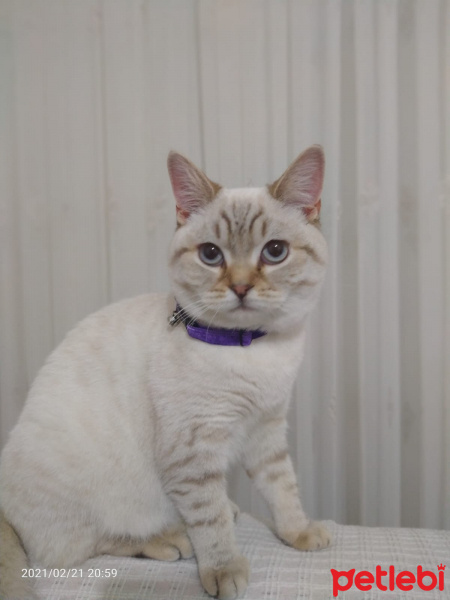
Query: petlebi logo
point(388, 580)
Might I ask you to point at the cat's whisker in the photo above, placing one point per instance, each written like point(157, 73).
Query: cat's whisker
point(196, 303)
point(184, 313)
point(196, 317)
point(214, 316)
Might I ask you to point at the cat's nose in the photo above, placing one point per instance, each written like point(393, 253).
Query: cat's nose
point(241, 289)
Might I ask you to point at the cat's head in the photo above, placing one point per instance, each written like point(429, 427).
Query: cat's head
point(252, 257)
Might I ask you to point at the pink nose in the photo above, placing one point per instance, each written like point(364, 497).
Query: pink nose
point(241, 289)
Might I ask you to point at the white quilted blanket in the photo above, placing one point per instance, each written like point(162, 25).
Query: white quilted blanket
point(278, 572)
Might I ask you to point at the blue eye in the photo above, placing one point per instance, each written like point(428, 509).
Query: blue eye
point(210, 254)
point(274, 252)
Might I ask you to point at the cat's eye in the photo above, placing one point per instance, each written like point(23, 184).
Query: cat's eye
point(274, 252)
point(210, 254)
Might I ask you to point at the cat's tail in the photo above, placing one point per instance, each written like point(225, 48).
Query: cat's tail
point(13, 560)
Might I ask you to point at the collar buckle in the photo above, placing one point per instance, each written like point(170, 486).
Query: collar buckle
point(210, 335)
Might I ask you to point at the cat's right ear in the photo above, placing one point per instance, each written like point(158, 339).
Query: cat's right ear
point(191, 188)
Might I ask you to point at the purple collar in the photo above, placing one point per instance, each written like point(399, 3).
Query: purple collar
point(219, 337)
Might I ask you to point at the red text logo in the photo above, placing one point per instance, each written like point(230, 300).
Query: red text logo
point(388, 580)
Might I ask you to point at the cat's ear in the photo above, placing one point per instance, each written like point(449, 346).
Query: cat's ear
point(191, 188)
point(301, 183)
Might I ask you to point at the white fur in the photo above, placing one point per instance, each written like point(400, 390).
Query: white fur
point(130, 424)
point(83, 449)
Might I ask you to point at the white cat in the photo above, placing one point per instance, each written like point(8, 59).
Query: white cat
point(130, 427)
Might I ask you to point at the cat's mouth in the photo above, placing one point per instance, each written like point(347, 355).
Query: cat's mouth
point(242, 306)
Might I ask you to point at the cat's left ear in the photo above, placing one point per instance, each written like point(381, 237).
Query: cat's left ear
point(191, 188)
point(301, 183)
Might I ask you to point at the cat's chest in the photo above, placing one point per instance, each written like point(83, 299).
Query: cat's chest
point(236, 381)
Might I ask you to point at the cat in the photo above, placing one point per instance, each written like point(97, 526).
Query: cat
point(130, 427)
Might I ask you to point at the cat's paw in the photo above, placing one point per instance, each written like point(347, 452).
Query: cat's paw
point(228, 581)
point(170, 545)
point(315, 537)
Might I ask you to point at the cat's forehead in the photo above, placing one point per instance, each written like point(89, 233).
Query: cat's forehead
point(239, 201)
point(241, 217)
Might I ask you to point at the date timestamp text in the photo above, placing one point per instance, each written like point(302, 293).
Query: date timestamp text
point(67, 573)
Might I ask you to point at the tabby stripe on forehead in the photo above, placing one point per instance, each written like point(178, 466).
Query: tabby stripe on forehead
point(224, 215)
point(252, 222)
point(244, 219)
point(264, 228)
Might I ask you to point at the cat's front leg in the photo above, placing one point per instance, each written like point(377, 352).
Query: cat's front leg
point(203, 503)
point(269, 465)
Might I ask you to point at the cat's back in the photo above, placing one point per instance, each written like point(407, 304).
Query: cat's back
point(99, 369)
point(116, 327)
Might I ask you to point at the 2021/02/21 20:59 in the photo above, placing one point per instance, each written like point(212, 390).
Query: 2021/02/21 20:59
point(44, 573)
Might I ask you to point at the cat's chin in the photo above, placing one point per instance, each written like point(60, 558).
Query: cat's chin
point(245, 317)
point(242, 308)
point(238, 319)
point(249, 318)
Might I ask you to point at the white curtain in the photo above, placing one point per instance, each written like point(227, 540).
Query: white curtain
point(94, 93)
